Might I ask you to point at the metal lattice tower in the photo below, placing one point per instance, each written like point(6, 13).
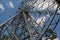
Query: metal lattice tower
point(22, 26)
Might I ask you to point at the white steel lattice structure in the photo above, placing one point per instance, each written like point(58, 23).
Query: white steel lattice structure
point(34, 20)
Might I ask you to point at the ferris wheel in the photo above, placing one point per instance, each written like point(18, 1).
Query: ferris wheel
point(34, 20)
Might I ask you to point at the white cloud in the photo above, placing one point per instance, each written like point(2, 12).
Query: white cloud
point(39, 20)
point(43, 18)
point(1, 7)
point(10, 4)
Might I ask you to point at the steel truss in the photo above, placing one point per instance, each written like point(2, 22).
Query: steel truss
point(22, 26)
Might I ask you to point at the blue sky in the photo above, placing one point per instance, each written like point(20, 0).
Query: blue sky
point(58, 30)
point(9, 11)
point(10, 8)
